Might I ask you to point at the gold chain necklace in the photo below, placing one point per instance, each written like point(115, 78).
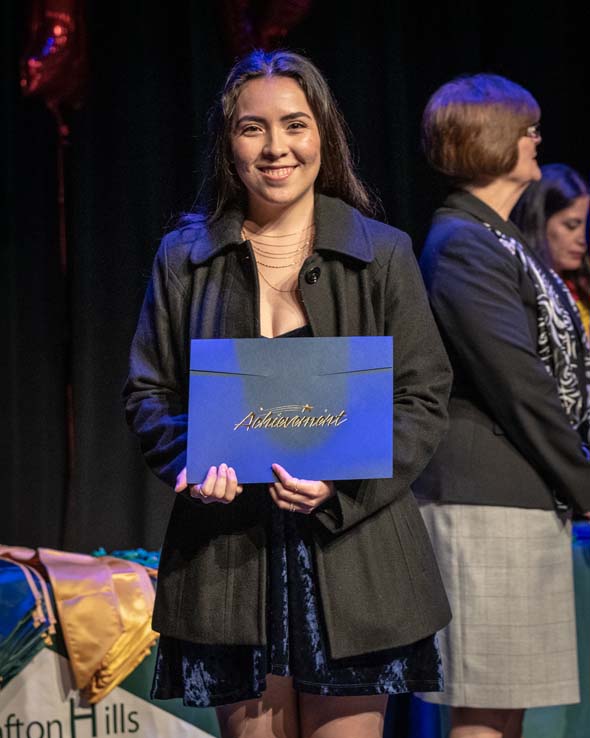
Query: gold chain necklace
point(304, 250)
point(283, 254)
point(260, 255)
point(274, 287)
point(275, 266)
point(245, 229)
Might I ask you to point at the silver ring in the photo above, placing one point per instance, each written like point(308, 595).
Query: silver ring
point(296, 485)
point(292, 507)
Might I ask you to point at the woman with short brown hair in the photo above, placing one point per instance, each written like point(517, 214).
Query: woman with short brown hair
point(497, 496)
point(471, 127)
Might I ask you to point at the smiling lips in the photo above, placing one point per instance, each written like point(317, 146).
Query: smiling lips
point(277, 172)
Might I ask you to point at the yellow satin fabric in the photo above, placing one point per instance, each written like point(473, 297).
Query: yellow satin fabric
point(579, 295)
point(105, 607)
point(584, 315)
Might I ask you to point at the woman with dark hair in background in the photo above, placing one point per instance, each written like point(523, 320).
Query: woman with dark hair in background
point(553, 216)
point(294, 608)
point(498, 494)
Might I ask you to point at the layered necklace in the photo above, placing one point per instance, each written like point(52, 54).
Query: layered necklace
point(279, 252)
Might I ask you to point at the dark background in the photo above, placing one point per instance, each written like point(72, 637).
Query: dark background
point(135, 160)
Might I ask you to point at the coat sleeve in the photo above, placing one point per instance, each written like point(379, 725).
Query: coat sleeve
point(422, 382)
point(155, 392)
point(474, 287)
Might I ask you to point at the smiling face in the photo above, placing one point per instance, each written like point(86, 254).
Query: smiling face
point(275, 145)
point(566, 235)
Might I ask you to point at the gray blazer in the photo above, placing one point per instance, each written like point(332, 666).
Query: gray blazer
point(378, 580)
point(510, 442)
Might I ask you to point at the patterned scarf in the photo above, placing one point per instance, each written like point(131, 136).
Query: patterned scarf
point(559, 341)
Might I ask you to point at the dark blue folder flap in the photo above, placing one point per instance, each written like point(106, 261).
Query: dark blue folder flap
point(321, 407)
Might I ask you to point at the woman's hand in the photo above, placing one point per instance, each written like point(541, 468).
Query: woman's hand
point(298, 495)
point(220, 485)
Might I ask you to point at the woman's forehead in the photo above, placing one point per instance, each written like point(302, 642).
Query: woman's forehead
point(274, 94)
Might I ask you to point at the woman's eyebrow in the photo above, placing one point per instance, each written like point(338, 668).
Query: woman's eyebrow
point(260, 119)
point(292, 116)
point(253, 118)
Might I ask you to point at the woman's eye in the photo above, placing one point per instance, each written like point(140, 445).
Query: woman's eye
point(571, 225)
point(296, 124)
point(250, 129)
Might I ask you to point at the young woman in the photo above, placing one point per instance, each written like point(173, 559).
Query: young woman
point(498, 494)
point(553, 216)
point(293, 608)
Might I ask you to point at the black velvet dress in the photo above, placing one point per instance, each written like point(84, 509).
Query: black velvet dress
point(204, 675)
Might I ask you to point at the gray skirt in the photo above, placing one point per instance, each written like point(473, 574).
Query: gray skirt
point(509, 578)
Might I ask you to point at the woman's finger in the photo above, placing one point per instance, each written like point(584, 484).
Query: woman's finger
point(197, 492)
point(231, 486)
point(291, 496)
point(207, 485)
point(302, 488)
point(284, 504)
point(181, 483)
point(239, 487)
point(220, 485)
point(294, 490)
point(219, 488)
point(283, 475)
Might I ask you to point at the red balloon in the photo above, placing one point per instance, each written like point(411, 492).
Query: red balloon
point(279, 19)
point(54, 65)
point(263, 26)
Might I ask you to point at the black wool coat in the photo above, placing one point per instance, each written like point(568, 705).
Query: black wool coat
point(510, 442)
point(378, 580)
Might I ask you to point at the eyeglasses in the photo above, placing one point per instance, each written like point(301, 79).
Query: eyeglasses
point(533, 131)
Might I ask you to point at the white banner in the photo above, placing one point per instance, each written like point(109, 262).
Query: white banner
point(42, 702)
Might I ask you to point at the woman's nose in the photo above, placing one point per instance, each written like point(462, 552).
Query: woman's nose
point(275, 144)
point(581, 236)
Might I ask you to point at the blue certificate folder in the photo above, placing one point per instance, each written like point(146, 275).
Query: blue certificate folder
point(320, 407)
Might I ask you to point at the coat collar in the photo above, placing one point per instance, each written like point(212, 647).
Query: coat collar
point(463, 200)
point(339, 228)
point(473, 206)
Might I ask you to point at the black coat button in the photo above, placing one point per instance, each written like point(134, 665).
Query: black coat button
point(312, 276)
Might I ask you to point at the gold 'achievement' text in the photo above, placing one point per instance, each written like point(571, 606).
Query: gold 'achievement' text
point(275, 418)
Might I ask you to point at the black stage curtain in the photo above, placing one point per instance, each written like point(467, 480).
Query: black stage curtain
point(135, 160)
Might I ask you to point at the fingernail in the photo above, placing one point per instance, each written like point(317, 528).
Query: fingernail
point(223, 470)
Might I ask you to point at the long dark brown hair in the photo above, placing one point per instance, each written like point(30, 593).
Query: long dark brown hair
point(337, 175)
point(557, 190)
